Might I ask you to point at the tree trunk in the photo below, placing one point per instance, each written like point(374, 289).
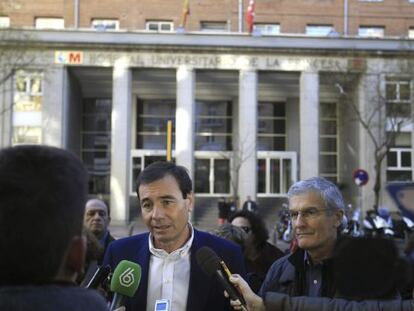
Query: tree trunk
point(377, 183)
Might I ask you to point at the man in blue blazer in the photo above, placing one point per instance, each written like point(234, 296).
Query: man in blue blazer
point(166, 253)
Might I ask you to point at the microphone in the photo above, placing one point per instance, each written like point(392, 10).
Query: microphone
point(124, 282)
point(211, 264)
point(99, 276)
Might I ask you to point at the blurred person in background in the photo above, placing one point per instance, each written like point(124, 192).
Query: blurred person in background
point(249, 205)
point(94, 251)
point(259, 253)
point(223, 210)
point(96, 220)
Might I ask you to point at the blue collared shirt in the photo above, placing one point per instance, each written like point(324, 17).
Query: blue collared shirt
point(313, 274)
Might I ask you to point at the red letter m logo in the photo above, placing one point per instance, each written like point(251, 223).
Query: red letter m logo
point(75, 58)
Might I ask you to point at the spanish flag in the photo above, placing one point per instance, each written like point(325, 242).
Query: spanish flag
point(250, 16)
point(185, 13)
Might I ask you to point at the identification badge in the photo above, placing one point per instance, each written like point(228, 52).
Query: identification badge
point(162, 305)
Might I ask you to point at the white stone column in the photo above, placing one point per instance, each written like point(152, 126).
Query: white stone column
point(54, 105)
point(6, 108)
point(121, 143)
point(246, 153)
point(309, 125)
point(184, 119)
point(368, 101)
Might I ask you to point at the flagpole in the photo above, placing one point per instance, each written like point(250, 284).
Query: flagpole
point(240, 15)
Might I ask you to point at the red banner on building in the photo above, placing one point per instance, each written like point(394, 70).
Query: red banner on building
point(250, 16)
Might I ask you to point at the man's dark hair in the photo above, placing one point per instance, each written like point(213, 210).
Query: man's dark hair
point(42, 199)
point(158, 170)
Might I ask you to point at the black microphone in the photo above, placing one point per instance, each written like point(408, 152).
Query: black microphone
point(100, 275)
point(211, 264)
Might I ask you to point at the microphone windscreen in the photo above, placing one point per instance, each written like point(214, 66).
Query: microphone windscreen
point(126, 278)
point(208, 260)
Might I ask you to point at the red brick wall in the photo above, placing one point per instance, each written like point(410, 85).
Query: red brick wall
point(293, 15)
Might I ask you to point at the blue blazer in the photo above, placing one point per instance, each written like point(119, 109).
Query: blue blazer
point(204, 293)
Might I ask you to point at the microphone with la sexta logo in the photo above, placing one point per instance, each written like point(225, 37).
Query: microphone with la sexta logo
point(124, 282)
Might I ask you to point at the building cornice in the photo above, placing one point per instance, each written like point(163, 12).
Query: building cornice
point(234, 42)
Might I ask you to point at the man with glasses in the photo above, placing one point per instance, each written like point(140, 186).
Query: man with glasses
point(316, 208)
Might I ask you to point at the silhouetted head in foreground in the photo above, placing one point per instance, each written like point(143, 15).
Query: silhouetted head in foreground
point(367, 268)
point(42, 199)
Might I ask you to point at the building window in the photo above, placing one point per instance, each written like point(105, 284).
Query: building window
point(267, 29)
point(160, 26)
point(4, 21)
point(276, 172)
point(328, 152)
point(411, 32)
point(212, 175)
point(96, 143)
point(398, 105)
point(49, 23)
point(271, 128)
point(398, 96)
point(140, 160)
point(213, 26)
point(371, 31)
point(27, 108)
point(399, 167)
point(319, 30)
point(213, 126)
point(152, 118)
point(105, 24)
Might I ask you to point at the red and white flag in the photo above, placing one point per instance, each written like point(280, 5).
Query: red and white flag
point(250, 16)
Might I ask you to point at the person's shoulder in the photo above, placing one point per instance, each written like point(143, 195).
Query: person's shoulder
point(50, 298)
point(131, 240)
point(88, 299)
point(281, 263)
point(110, 238)
point(272, 251)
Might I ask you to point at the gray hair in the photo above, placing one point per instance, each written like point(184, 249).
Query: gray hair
point(328, 191)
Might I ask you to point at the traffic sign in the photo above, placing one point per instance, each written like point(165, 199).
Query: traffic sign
point(360, 177)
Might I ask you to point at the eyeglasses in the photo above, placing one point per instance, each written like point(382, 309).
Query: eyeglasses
point(246, 229)
point(309, 213)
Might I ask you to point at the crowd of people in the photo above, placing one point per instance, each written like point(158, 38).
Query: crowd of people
point(46, 217)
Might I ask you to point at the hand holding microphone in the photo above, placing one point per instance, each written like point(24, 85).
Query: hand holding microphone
point(253, 301)
point(125, 282)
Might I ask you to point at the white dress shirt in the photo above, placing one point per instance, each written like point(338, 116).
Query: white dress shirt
point(169, 275)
